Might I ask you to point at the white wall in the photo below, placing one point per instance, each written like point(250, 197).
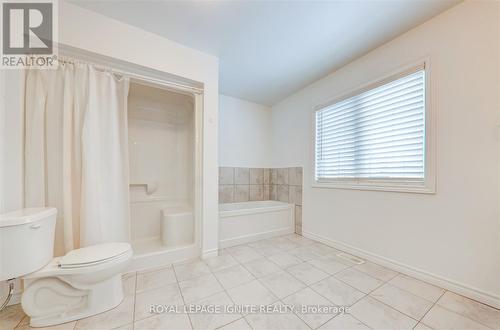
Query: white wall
point(244, 133)
point(454, 234)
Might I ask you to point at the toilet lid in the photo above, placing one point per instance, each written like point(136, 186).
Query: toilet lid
point(93, 254)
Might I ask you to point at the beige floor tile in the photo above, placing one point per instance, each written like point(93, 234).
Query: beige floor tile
point(323, 249)
point(220, 262)
point(234, 276)
point(285, 260)
point(417, 287)
point(328, 265)
point(166, 295)
point(440, 318)
point(283, 243)
point(243, 253)
point(344, 322)
point(213, 320)
point(377, 271)
point(361, 281)
point(155, 279)
point(25, 325)
point(308, 297)
point(114, 318)
point(190, 269)
point(403, 301)
point(199, 288)
point(11, 316)
point(164, 321)
point(421, 326)
point(261, 267)
point(252, 293)
point(282, 284)
point(299, 239)
point(276, 321)
point(240, 324)
point(471, 309)
point(377, 315)
point(307, 273)
point(305, 253)
point(337, 292)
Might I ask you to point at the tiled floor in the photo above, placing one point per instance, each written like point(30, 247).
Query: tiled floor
point(289, 270)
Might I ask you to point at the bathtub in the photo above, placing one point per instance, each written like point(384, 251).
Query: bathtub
point(251, 221)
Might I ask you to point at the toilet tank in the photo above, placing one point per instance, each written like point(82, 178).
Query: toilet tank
point(26, 241)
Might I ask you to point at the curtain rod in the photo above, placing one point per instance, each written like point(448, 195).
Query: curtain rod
point(133, 76)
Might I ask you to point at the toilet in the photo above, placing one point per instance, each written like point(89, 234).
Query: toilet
point(82, 283)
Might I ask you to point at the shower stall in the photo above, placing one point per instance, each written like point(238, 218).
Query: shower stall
point(162, 156)
point(165, 166)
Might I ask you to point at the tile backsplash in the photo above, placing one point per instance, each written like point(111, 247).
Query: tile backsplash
point(240, 184)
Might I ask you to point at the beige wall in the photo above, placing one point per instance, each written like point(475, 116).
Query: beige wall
point(450, 238)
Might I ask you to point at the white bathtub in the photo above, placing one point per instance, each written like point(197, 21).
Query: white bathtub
point(251, 221)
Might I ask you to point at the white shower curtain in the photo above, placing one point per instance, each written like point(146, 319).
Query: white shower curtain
point(76, 152)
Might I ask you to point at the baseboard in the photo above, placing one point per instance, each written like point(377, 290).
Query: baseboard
point(255, 237)
point(445, 283)
point(209, 253)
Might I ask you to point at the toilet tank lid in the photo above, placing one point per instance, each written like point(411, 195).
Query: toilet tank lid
point(27, 215)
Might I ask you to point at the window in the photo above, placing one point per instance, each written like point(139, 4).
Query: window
point(375, 138)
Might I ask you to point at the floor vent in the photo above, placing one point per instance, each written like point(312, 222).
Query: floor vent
point(351, 258)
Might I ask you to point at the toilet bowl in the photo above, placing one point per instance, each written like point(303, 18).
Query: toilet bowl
point(82, 283)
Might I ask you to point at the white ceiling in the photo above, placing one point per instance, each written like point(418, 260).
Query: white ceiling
point(270, 49)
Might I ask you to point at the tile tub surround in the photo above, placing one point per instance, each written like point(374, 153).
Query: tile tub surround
point(240, 184)
point(256, 273)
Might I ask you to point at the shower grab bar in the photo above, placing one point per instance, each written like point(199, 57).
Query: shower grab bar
point(151, 187)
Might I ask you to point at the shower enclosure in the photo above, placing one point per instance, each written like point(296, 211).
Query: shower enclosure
point(161, 160)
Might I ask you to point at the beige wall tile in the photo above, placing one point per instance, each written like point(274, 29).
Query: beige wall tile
point(295, 176)
point(274, 176)
point(226, 175)
point(273, 192)
point(241, 175)
point(267, 175)
point(298, 215)
point(241, 193)
point(267, 192)
point(283, 193)
point(282, 176)
point(295, 195)
point(226, 193)
point(256, 176)
point(256, 192)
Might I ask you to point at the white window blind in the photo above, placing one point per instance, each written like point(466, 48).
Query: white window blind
point(376, 134)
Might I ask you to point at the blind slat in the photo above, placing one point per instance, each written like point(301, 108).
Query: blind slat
point(379, 133)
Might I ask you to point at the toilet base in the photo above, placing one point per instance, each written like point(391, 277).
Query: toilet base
point(54, 300)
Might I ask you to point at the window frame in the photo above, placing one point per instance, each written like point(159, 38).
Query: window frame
point(425, 186)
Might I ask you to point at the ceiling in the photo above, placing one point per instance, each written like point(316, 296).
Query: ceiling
point(270, 49)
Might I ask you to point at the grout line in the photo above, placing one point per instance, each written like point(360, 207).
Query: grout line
point(182, 296)
point(427, 312)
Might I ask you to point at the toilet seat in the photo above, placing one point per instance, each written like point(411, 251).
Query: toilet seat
point(93, 255)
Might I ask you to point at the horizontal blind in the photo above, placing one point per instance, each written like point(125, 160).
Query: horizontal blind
point(377, 134)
